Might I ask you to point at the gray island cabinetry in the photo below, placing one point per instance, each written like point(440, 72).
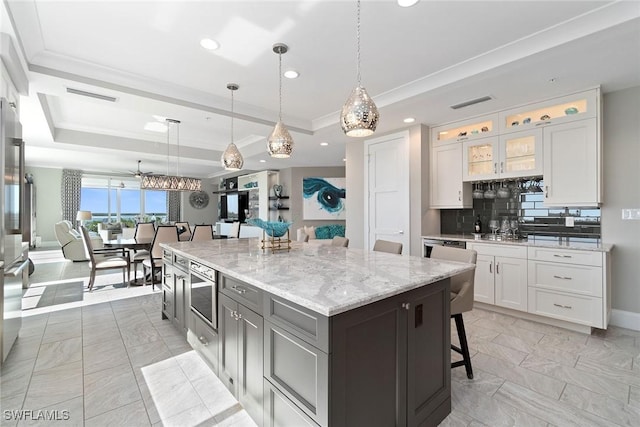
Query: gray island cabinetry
point(326, 336)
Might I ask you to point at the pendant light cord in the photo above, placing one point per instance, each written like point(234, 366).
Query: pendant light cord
point(358, 40)
point(280, 88)
point(178, 146)
point(168, 142)
point(232, 115)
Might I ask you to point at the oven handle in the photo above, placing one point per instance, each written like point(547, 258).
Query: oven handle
point(14, 272)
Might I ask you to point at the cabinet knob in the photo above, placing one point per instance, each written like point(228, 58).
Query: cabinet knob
point(203, 341)
point(406, 305)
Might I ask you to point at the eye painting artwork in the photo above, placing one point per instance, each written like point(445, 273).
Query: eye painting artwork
point(324, 198)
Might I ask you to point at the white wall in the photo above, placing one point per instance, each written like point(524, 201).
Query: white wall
point(621, 146)
point(48, 186)
point(356, 193)
point(208, 215)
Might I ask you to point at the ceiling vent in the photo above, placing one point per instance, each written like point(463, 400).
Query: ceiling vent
point(91, 94)
point(471, 102)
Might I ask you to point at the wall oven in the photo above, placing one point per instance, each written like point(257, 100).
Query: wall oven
point(204, 293)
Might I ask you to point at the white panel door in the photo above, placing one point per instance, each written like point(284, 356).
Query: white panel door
point(387, 181)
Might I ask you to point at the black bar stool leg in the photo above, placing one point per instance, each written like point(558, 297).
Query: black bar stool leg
point(462, 336)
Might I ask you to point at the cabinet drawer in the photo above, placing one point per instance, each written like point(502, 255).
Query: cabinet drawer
point(566, 277)
point(167, 255)
point(245, 294)
point(167, 277)
point(205, 340)
point(567, 256)
point(181, 262)
point(510, 251)
point(167, 302)
point(298, 370)
point(301, 322)
point(571, 308)
point(279, 411)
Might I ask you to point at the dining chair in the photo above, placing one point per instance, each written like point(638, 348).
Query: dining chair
point(461, 298)
point(153, 263)
point(202, 232)
point(387, 246)
point(234, 233)
point(186, 234)
point(340, 241)
point(144, 231)
point(104, 259)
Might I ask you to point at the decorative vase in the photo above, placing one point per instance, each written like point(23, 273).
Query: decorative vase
point(277, 190)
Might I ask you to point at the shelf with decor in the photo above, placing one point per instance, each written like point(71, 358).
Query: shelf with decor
point(479, 127)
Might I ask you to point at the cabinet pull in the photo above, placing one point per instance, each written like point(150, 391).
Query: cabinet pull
point(463, 138)
point(459, 195)
point(406, 305)
point(203, 341)
point(490, 267)
point(497, 268)
point(495, 167)
point(546, 191)
point(562, 277)
point(563, 306)
point(239, 289)
point(562, 256)
point(501, 167)
point(542, 123)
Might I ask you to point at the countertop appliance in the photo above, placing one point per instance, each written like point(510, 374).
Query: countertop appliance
point(14, 264)
point(428, 244)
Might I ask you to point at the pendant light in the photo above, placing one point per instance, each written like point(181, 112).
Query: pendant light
point(231, 158)
point(280, 143)
point(171, 182)
point(359, 115)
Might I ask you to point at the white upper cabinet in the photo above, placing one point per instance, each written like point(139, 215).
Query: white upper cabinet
point(465, 130)
point(568, 108)
point(447, 189)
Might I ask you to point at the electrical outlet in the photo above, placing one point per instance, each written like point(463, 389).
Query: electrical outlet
point(631, 214)
point(569, 221)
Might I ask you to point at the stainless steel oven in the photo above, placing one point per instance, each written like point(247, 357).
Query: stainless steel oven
point(204, 293)
point(428, 244)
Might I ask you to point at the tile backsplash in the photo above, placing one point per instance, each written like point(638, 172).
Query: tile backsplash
point(533, 217)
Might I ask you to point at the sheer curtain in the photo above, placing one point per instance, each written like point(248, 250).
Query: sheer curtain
point(70, 193)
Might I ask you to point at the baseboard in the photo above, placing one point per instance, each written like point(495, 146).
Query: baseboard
point(625, 319)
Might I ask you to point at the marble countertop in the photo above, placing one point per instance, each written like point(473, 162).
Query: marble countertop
point(531, 241)
point(326, 279)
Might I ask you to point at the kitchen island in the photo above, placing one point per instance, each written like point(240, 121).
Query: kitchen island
point(321, 335)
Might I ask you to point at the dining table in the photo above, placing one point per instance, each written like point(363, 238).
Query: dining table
point(131, 245)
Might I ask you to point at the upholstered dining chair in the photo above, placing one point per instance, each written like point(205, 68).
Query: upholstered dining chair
point(461, 298)
point(387, 246)
point(164, 234)
point(186, 234)
point(202, 232)
point(340, 241)
point(144, 231)
point(104, 259)
point(234, 233)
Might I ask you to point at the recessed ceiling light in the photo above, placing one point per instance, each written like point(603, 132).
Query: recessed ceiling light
point(291, 74)
point(159, 118)
point(409, 120)
point(553, 79)
point(324, 144)
point(263, 161)
point(407, 3)
point(344, 160)
point(209, 44)
point(156, 127)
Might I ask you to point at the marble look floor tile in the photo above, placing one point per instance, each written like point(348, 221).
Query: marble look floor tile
point(515, 343)
point(11, 404)
point(58, 353)
point(92, 335)
point(634, 397)
point(104, 355)
point(482, 382)
point(67, 414)
point(32, 331)
point(602, 406)
point(194, 367)
point(60, 316)
point(196, 416)
point(511, 329)
point(494, 317)
point(239, 418)
point(476, 333)
point(55, 385)
point(625, 376)
point(549, 329)
point(535, 381)
point(15, 376)
point(25, 348)
point(133, 414)
point(564, 343)
point(109, 389)
point(501, 352)
point(548, 409)
point(590, 381)
point(490, 411)
point(456, 419)
point(148, 354)
point(214, 394)
point(29, 321)
point(556, 355)
point(134, 335)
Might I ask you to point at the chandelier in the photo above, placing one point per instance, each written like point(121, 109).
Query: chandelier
point(280, 143)
point(171, 182)
point(359, 115)
point(231, 158)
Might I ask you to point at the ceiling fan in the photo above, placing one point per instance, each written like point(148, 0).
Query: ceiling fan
point(138, 173)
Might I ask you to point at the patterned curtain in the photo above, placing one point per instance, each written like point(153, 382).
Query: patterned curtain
point(71, 185)
point(173, 206)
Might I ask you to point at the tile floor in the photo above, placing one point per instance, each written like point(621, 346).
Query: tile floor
point(107, 358)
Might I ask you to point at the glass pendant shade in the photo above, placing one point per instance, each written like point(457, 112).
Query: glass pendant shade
point(359, 114)
point(231, 158)
point(280, 143)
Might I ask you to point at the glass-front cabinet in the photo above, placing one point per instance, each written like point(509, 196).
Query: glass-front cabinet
point(512, 155)
point(568, 108)
point(479, 127)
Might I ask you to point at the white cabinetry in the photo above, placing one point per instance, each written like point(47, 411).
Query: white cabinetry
point(569, 285)
point(572, 174)
point(258, 185)
point(501, 275)
point(447, 188)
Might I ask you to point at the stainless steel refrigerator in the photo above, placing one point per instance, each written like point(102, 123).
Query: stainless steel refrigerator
point(12, 260)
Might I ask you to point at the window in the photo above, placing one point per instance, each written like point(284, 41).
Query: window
point(121, 200)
